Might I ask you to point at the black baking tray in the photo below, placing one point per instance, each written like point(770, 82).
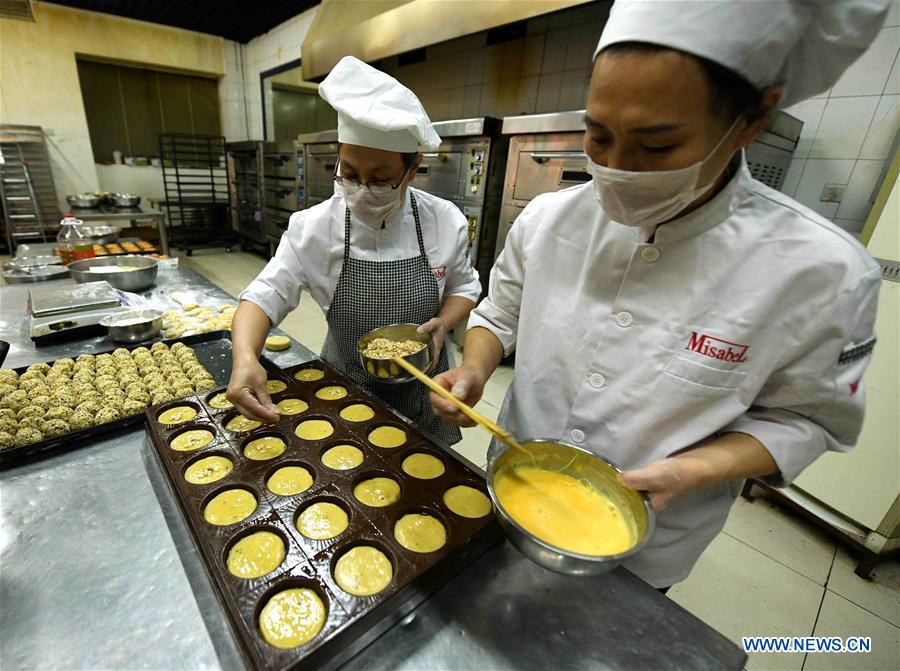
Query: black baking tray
point(213, 350)
point(352, 622)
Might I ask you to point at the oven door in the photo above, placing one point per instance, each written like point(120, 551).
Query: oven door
point(440, 174)
point(319, 165)
point(542, 171)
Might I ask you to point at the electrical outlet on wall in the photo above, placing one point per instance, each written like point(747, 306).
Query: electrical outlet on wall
point(833, 193)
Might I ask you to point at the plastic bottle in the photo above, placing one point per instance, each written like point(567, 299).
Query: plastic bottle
point(72, 244)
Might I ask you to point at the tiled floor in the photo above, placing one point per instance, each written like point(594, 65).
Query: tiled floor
point(768, 573)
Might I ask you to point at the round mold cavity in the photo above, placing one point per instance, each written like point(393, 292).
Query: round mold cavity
point(428, 452)
point(369, 475)
point(291, 582)
point(230, 416)
point(285, 464)
point(365, 541)
point(354, 443)
point(192, 426)
point(243, 533)
point(204, 455)
point(209, 397)
point(224, 488)
point(311, 367)
point(372, 428)
point(292, 397)
point(421, 510)
point(324, 499)
point(461, 482)
point(177, 404)
point(313, 418)
point(268, 433)
point(357, 404)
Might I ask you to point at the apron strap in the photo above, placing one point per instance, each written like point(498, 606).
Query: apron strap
point(415, 209)
point(346, 233)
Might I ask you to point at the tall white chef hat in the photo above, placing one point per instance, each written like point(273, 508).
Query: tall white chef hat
point(803, 44)
point(375, 110)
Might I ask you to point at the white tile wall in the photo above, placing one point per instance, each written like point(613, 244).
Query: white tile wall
point(859, 196)
point(849, 131)
point(869, 74)
point(843, 127)
point(816, 174)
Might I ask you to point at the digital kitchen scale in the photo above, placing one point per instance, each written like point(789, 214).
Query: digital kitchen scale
point(74, 311)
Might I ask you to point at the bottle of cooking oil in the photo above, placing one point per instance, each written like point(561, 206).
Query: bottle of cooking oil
point(72, 244)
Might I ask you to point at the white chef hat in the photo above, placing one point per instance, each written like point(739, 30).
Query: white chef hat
point(803, 44)
point(375, 110)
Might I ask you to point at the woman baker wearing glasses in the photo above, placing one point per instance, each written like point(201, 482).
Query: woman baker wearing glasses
point(378, 252)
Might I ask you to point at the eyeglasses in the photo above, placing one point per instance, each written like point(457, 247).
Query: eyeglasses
point(353, 184)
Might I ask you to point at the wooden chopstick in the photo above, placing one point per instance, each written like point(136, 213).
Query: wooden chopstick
point(501, 434)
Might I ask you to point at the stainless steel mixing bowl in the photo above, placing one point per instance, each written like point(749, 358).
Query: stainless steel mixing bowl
point(385, 370)
point(101, 235)
point(133, 325)
point(582, 465)
point(84, 200)
point(129, 280)
point(125, 199)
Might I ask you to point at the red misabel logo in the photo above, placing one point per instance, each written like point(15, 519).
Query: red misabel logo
point(717, 348)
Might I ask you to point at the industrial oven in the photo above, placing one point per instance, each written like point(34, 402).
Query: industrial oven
point(316, 169)
point(281, 185)
point(546, 153)
point(245, 190)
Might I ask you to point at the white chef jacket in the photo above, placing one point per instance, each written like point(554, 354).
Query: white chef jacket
point(735, 318)
point(310, 255)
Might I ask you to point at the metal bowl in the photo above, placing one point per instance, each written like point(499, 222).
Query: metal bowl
point(101, 235)
point(125, 199)
point(133, 325)
point(84, 200)
point(385, 370)
point(583, 465)
point(130, 280)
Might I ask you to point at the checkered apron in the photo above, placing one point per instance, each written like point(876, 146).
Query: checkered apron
point(372, 294)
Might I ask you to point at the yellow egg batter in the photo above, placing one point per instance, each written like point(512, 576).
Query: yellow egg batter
point(177, 415)
point(423, 466)
point(292, 617)
point(309, 375)
point(267, 447)
point(322, 520)
point(467, 502)
point(240, 424)
point(275, 386)
point(220, 402)
point(256, 555)
point(363, 571)
point(209, 469)
point(342, 457)
point(358, 412)
point(191, 440)
point(230, 507)
point(387, 437)
point(563, 511)
point(377, 492)
point(420, 533)
point(314, 429)
point(292, 406)
point(289, 480)
point(332, 393)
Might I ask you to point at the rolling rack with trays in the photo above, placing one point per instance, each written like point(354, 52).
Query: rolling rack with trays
point(196, 188)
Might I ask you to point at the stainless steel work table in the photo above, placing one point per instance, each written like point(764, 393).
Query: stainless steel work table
point(98, 571)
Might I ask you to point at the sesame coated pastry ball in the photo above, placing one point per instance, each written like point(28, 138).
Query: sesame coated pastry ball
point(159, 347)
point(31, 375)
point(9, 376)
point(27, 435)
point(139, 351)
point(81, 388)
point(58, 412)
point(42, 401)
point(56, 427)
point(205, 384)
point(63, 397)
point(35, 421)
point(15, 401)
point(7, 439)
point(107, 414)
point(9, 424)
point(90, 407)
point(33, 385)
point(30, 411)
point(84, 378)
point(132, 406)
point(161, 397)
point(85, 358)
point(120, 352)
point(6, 388)
point(41, 368)
point(6, 412)
point(81, 420)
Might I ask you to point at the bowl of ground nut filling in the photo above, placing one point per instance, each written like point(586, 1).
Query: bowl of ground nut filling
point(378, 348)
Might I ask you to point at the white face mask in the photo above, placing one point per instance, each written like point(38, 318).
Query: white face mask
point(372, 209)
point(636, 198)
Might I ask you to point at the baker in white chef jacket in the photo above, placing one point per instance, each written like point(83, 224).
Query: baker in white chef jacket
point(376, 253)
point(675, 315)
